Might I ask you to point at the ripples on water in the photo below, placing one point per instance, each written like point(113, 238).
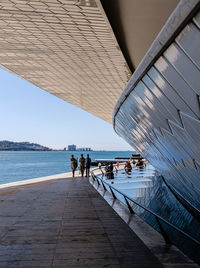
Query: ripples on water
point(15, 166)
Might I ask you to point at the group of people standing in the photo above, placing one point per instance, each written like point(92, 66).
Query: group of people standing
point(84, 164)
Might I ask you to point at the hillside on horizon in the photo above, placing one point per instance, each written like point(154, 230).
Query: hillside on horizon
point(22, 146)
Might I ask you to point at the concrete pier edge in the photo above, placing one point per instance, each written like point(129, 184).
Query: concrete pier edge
point(67, 175)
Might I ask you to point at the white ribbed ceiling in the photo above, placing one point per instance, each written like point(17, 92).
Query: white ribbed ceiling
point(65, 47)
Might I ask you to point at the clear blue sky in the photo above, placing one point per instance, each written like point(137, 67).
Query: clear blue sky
point(31, 114)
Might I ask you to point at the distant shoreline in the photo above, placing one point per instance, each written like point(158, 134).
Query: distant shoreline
point(29, 150)
point(22, 146)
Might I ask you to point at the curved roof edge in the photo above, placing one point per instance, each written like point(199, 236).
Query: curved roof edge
point(176, 22)
point(66, 48)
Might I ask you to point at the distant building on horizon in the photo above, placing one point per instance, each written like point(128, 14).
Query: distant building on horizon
point(72, 147)
point(84, 149)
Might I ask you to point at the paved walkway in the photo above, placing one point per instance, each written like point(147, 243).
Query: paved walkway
point(65, 223)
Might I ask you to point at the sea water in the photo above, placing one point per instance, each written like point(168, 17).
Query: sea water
point(22, 165)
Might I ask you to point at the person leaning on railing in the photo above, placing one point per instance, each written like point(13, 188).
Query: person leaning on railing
point(133, 162)
point(99, 165)
point(109, 171)
point(140, 163)
point(117, 166)
point(128, 166)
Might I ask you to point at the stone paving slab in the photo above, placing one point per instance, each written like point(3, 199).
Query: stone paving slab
point(66, 223)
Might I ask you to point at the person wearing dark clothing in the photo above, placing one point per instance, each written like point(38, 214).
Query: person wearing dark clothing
point(127, 166)
point(87, 165)
point(109, 171)
point(82, 165)
point(73, 165)
point(140, 164)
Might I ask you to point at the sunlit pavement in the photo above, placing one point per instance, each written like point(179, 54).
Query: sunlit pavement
point(65, 223)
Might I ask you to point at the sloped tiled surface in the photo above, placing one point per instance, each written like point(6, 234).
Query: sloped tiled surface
point(160, 118)
point(65, 47)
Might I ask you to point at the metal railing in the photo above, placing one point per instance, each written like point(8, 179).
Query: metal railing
point(158, 218)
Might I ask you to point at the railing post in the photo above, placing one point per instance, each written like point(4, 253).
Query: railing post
point(164, 234)
point(93, 177)
point(114, 196)
point(104, 187)
point(129, 206)
point(98, 181)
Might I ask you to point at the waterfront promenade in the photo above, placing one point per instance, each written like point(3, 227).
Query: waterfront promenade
point(65, 223)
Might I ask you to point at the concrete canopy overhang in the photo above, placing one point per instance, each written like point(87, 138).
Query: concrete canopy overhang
point(136, 24)
point(68, 48)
